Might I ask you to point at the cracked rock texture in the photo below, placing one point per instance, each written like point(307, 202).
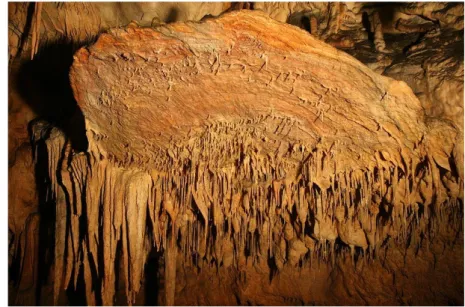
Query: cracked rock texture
point(240, 160)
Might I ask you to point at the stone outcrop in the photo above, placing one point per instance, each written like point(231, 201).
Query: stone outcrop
point(234, 141)
point(239, 155)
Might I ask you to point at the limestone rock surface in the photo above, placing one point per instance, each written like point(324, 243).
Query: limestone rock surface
point(241, 149)
point(143, 91)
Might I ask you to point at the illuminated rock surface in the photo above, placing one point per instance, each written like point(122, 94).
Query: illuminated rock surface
point(259, 161)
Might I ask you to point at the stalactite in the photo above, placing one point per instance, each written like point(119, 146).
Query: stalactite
point(109, 243)
point(235, 193)
point(89, 281)
point(55, 146)
point(36, 28)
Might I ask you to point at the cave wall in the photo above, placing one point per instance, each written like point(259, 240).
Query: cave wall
point(421, 44)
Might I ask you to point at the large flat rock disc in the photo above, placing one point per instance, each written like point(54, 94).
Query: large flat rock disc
point(146, 93)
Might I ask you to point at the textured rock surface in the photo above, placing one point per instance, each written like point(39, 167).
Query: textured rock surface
point(238, 131)
point(132, 87)
point(264, 152)
point(80, 21)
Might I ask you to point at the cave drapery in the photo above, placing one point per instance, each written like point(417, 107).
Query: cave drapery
point(240, 143)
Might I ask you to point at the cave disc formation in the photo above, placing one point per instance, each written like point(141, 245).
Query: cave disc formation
point(241, 150)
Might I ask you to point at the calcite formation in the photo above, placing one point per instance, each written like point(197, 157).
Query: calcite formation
point(326, 19)
point(236, 140)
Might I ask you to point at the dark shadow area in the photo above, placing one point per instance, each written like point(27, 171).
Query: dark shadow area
point(14, 274)
point(273, 269)
point(366, 25)
point(45, 86)
point(77, 296)
point(46, 210)
point(236, 6)
point(387, 11)
point(172, 16)
point(120, 298)
point(152, 278)
point(301, 20)
point(305, 21)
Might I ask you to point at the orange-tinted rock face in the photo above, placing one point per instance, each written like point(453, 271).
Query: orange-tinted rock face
point(242, 161)
point(245, 132)
point(152, 88)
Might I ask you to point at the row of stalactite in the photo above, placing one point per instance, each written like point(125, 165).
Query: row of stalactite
point(254, 209)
